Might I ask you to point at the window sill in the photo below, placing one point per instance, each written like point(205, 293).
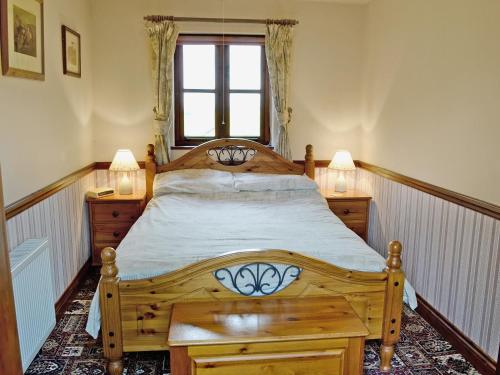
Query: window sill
point(191, 147)
point(182, 147)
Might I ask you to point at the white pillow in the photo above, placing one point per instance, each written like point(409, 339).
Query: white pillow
point(272, 182)
point(194, 181)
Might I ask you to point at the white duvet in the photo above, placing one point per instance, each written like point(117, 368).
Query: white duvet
point(180, 229)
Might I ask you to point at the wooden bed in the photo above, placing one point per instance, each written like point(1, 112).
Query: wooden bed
point(135, 315)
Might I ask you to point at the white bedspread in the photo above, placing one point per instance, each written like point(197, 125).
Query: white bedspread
point(180, 229)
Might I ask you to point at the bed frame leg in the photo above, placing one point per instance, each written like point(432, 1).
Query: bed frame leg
point(109, 295)
point(393, 305)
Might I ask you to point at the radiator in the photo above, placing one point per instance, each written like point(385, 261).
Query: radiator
point(33, 296)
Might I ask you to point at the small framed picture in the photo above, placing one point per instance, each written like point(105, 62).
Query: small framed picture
point(72, 61)
point(21, 38)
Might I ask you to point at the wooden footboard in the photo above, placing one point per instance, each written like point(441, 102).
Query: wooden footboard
point(136, 314)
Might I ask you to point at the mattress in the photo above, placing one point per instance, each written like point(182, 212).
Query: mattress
point(179, 229)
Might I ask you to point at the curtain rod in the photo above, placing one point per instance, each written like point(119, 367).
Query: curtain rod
point(221, 20)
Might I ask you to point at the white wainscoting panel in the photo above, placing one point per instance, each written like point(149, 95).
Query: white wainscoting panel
point(451, 254)
point(326, 178)
point(63, 219)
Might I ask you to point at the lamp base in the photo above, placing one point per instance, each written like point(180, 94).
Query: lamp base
point(125, 186)
point(340, 184)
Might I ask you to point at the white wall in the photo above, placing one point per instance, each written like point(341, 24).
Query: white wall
point(326, 84)
point(432, 92)
point(412, 86)
point(45, 129)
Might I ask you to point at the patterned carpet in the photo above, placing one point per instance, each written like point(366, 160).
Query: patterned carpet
point(69, 350)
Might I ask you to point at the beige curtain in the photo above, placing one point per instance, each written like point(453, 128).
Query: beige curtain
point(163, 36)
point(278, 53)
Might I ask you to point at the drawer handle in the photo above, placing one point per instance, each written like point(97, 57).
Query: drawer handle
point(115, 214)
point(346, 211)
point(116, 234)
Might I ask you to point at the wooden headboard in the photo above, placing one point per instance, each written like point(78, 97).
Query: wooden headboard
point(231, 155)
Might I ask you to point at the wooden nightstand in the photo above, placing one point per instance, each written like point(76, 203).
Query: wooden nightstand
point(111, 218)
point(352, 207)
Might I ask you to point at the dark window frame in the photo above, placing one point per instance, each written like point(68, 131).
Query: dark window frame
point(222, 44)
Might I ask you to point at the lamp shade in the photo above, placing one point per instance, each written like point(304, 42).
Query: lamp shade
point(342, 161)
point(124, 161)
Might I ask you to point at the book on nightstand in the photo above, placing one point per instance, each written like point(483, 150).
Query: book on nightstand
point(100, 192)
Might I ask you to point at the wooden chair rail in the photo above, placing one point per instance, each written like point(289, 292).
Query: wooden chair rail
point(47, 191)
point(477, 205)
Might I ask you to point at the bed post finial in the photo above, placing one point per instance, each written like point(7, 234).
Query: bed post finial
point(150, 171)
point(394, 259)
point(151, 152)
point(108, 269)
point(309, 167)
point(109, 295)
point(393, 305)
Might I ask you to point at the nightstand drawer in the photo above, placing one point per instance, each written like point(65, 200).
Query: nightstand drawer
point(115, 213)
point(357, 227)
point(349, 210)
point(111, 232)
point(352, 207)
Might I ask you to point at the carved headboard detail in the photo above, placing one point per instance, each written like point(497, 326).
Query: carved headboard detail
point(231, 155)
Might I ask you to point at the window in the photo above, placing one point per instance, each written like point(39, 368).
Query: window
point(221, 89)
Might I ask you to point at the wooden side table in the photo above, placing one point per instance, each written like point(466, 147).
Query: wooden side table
point(321, 335)
point(111, 218)
point(353, 208)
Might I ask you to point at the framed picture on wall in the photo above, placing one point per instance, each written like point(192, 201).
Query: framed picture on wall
point(21, 37)
point(72, 61)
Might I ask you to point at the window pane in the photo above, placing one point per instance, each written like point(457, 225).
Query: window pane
point(199, 114)
point(245, 67)
point(245, 115)
point(199, 66)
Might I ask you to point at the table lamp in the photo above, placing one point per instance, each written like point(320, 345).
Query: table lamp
point(124, 162)
point(342, 161)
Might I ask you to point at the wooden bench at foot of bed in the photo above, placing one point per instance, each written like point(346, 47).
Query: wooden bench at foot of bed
point(135, 315)
point(321, 335)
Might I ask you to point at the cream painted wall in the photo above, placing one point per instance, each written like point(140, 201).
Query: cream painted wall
point(45, 130)
point(326, 84)
point(412, 86)
point(432, 92)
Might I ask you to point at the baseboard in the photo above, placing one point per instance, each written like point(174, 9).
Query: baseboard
point(474, 354)
point(63, 301)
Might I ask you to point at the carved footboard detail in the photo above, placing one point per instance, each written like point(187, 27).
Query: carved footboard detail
point(257, 279)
